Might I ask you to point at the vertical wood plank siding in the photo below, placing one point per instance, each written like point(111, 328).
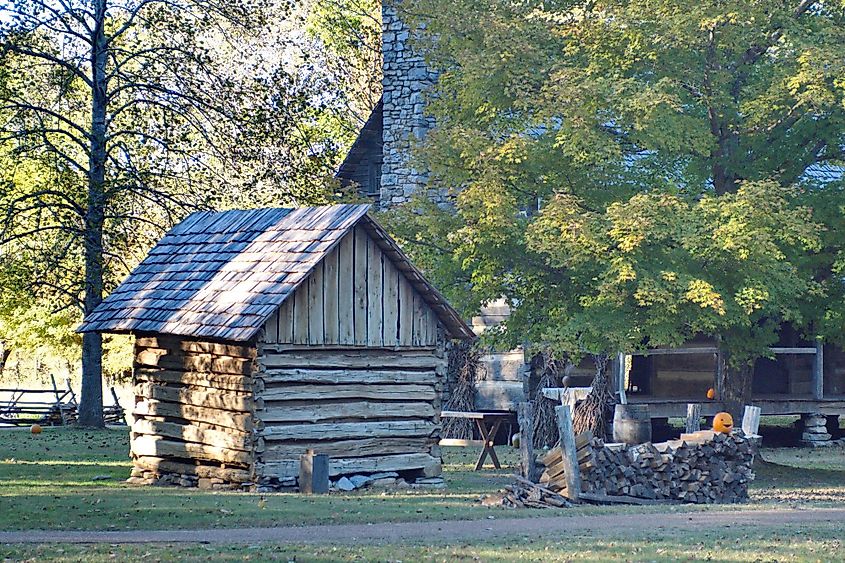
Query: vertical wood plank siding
point(345, 291)
point(356, 296)
point(331, 317)
point(316, 301)
point(375, 294)
point(359, 290)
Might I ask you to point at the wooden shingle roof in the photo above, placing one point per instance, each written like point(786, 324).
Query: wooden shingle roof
point(220, 275)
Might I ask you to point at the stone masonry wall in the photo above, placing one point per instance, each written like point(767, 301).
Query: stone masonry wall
point(406, 81)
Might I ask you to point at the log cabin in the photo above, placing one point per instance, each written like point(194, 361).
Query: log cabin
point(262, 334)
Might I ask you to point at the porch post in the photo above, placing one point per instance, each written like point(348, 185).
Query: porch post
point(818, 372)
point(719, 369)
point(621, 362)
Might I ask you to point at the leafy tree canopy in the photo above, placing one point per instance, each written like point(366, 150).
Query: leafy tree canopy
point(118, 118)
point(632, 173)
point(348, 37)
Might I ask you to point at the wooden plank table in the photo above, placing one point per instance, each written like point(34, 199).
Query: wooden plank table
point(488, 424)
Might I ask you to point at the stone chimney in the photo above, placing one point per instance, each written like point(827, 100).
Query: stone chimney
point(406, 83)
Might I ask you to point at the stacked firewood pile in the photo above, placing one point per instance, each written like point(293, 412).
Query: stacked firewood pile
point(700, 468)
point(554, 474)
point(522, 493)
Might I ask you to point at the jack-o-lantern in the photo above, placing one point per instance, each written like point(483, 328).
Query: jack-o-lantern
point(35, 429)
point(723, 422)
point(711, 393)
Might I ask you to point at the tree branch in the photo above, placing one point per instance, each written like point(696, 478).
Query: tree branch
point(7, 46)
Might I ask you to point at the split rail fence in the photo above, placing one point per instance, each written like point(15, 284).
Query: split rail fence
point(49, 407)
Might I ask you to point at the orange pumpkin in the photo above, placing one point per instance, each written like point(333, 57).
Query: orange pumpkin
point(35, 429)
point(711, 393)
point(723, 422)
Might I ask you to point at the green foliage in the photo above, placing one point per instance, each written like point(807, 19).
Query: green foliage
point(346, 36)
point(660, 268)
point(630, 174)
point(207, 105)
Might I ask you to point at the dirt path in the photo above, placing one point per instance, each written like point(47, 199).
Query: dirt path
point(443, 531)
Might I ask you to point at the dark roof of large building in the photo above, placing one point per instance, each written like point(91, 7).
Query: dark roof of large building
point(221, 275)
point(366, 151)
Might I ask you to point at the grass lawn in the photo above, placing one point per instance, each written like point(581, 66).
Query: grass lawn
point(821, 542)
point(50, 481)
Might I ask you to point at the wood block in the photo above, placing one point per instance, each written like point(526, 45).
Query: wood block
point(362, 447)
point(215, 400)
point(161, 465)
point(352, 391)
point(349, 466)
point(334, 376)
point(318, 411)
point(349, 430)
point(193, 433)
point(227, 419)
point(698, 437)
point(313, 473)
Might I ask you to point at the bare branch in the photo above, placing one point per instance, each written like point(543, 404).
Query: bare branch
point(26, 106)
point(48, 57)
point(130, 19)
point(7, 238)
point(69, 202)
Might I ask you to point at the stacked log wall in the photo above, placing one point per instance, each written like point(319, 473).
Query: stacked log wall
point(371, 410)
point(194, 413)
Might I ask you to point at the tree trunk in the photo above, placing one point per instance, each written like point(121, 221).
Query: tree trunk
point(91, 405)
point(4, 357)
point(724, 179)
point(735, 385)
point(594, 412)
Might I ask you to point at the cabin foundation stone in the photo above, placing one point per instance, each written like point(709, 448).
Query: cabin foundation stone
point(815, 430)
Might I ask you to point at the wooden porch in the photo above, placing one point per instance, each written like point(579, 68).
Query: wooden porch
point(771, 405)
point(800, 378)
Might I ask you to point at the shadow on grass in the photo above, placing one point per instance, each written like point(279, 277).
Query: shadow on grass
point(786, 484)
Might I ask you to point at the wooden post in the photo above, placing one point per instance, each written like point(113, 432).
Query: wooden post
point(718, 387)
point(818, 372)
point(751, 421)
point(313, 473)
point(119, 412)
point(693, 417)
point(569, 399)
point(58, 401)
point(70, 390)
point(525, 419)
point(569, 453)
point(622, 361)
point(114, 397)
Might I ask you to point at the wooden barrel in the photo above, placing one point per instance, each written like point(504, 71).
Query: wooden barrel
point(631, 424)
